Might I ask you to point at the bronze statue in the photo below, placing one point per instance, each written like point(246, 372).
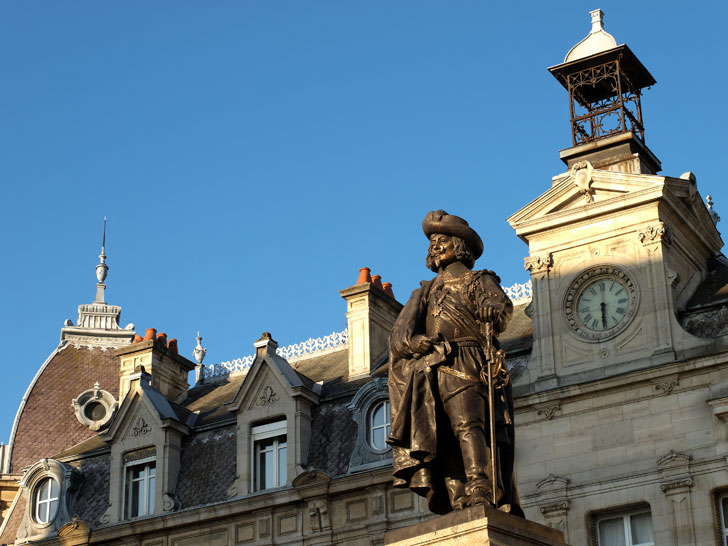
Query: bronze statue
point(449, 387)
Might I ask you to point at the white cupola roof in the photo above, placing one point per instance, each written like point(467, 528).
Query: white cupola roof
point(597, 41)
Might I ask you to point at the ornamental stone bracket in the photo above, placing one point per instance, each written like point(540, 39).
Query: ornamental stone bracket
point(675, 481)
point(547, 409)
point(582, 173)
point(538, 265)
point(654, 233)
point(553, 502)
point(666, 384)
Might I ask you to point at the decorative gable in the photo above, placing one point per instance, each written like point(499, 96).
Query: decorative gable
point(146, 434)
point(275, 395)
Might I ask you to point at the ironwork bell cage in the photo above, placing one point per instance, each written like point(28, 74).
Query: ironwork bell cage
point(604, 94)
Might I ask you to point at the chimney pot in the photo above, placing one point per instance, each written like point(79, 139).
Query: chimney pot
point(150, 334)
point(388, 289)
point(377, 281)
point(173, 345)
point(162, 338)
point(364, 275)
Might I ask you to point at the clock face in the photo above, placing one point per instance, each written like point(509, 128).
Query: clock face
point(600, 302)
point(603, 304)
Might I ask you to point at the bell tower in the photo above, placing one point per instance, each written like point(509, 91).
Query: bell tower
point(604, 82)
point(615, 250)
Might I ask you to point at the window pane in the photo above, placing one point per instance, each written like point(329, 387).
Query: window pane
point(724, 511)
point(44, 489)
point(134, 499)
point(52, 509)
point(641, 525)
point(152, 485)
point(282, 465)
point(378, 438)
point(54, 488)
point(42, 514)
point(378, 415)
point(611, 532)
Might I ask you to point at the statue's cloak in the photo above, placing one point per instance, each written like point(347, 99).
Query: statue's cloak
point(421, 436)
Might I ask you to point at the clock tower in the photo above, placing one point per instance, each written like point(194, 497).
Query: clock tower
point(615, 250)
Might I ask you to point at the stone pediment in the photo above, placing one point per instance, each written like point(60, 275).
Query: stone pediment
point(586, 192)
point(144, 409)
point(270, 380)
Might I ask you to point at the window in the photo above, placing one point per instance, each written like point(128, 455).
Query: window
point(632, 529)
point(141, 479)
point(270, 456)
point(723, 522)
point(46, 500)
point(379, 425)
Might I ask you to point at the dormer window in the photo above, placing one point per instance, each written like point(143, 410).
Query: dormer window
point(50, 488)
point(141, 480)
point(270, 455)
point(45, 500)
point(370, 410)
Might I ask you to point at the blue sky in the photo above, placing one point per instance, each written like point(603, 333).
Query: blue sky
point(252, 156)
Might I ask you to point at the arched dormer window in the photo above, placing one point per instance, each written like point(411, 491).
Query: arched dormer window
point(371, 412)
point(50, 487)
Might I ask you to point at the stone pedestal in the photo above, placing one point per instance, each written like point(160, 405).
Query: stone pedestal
point(476, 525)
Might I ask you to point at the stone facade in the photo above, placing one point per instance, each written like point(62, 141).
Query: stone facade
point(613, 421)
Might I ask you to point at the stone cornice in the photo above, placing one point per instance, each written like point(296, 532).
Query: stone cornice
point(634, 379)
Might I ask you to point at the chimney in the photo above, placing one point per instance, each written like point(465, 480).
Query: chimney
point(370, 314)
point(168, 369)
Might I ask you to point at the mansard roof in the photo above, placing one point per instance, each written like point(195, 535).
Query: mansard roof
point(46, 422)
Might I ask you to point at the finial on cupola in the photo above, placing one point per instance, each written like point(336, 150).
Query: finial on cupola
point(101, 270)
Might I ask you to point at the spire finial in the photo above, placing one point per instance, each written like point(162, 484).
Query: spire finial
point(101, 270)
point(597, 18)
point(713, 215)
point(199, 353)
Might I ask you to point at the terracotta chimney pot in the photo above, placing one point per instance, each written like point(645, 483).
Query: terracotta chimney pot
point(137, 338)
point(364, 275)
point(388, 290)
point(377, 281)
point(162, 338)
point(151, 334)
point(173, 345)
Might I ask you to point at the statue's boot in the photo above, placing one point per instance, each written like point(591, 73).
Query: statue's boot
point(456, 491)
point(476, 460)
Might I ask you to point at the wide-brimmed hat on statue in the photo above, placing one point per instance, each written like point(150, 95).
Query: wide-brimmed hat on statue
point(439, 221)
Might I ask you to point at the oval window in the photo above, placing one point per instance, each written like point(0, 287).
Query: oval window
point(45, 500)
point(379, 425)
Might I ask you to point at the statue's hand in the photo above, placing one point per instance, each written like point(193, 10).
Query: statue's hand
point(421, 344)
point(491, 311)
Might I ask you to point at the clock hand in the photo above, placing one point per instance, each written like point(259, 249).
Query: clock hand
point(604, 314)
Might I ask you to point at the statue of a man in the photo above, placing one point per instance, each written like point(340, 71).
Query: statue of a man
point(438, 383)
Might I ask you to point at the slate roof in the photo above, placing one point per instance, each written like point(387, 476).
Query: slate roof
point(333, 435)
point(14, 519)
point(714, 289)
point(518, 336)
point(207, 466)
point(93, 496)
point(48, 408)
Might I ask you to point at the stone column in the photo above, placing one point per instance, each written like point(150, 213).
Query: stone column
point(540, 312)
point(675, 481)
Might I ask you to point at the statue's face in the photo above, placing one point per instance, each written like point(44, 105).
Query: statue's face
point(442, 250)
